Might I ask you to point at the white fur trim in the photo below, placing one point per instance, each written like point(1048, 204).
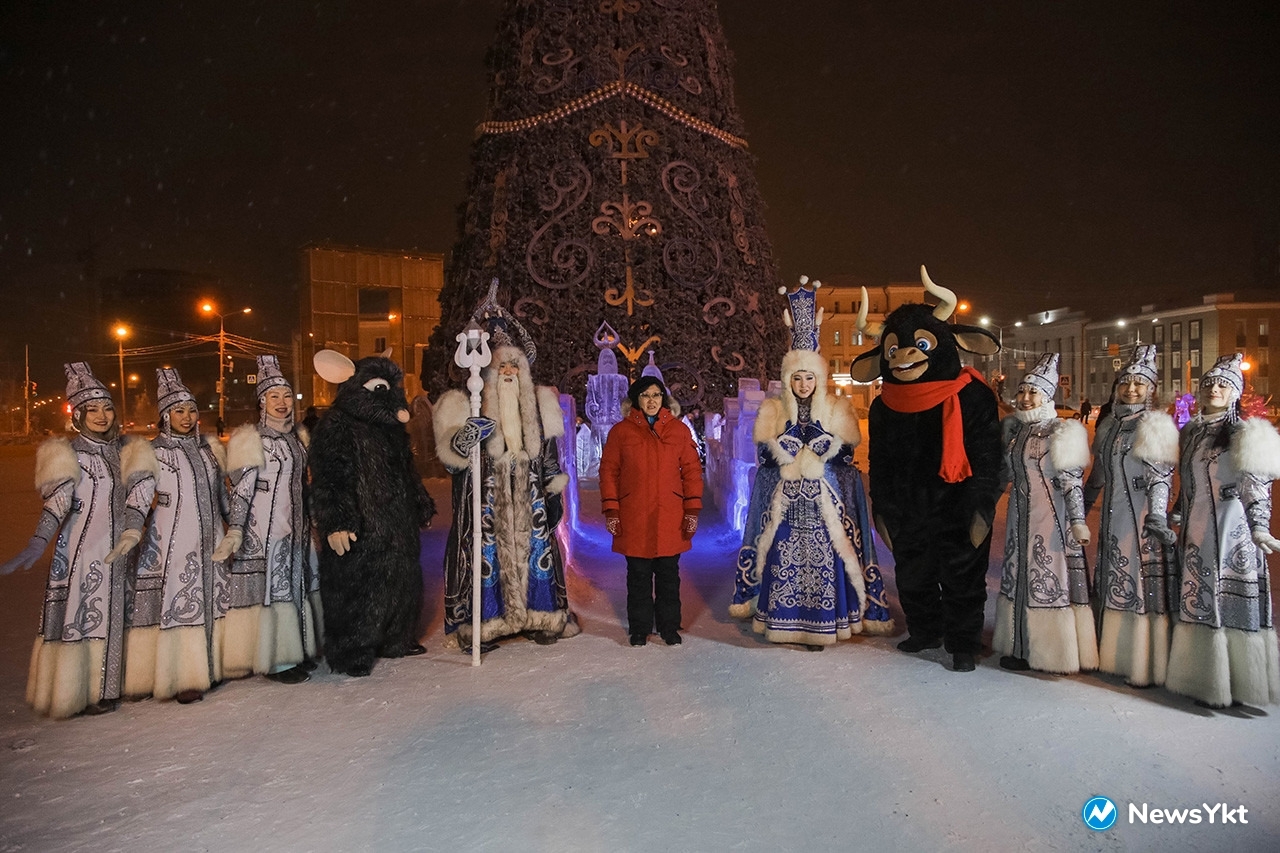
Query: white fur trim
point(181, 661)
point(743, 610)
point(1222, 665)
point(240, 638)
point(218, 450)
point(1135, 645)
point(1070, 446)
point(140, 653)
point(450, 413)
point(138, 457)
point(1156, 439)
point(836, 416)
point(56, 463)
point(883, 628)
point(1255, 449)
point(244, 450)
point(65, 677)
point(552, 414)
point(1061, 640)
point(557, 483)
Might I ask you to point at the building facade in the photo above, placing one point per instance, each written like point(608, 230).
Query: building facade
point(361, 302)
point(1188, 341)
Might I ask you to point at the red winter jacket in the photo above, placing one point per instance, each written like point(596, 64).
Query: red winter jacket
point(651, 477)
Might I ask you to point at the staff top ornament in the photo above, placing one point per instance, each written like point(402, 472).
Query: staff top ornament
point(803, 317)
point(504, 329)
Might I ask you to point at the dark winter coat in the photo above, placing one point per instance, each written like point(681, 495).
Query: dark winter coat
point(364, 481)
point(906, 451)
point(651, 477)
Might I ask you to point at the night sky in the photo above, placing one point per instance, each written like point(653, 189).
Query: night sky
point(1033, 154)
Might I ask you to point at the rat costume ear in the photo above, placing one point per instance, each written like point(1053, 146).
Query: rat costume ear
point(333, 366)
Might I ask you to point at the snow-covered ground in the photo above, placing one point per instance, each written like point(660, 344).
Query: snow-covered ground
point(723, 743)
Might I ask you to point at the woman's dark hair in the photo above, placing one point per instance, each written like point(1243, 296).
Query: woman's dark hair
point(641, 385)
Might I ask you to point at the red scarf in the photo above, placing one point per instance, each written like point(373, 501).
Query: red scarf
point(920, 396)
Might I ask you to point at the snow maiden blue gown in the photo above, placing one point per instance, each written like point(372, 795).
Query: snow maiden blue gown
point(807, 568)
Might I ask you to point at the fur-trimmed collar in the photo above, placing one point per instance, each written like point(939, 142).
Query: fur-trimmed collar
point(138, 457)
point(1156, 439)
point(454, 407)
point(56, 463)
point(1255, 448)
point(1069, 447)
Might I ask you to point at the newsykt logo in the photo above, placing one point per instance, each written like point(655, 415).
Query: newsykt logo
point(1099, 813)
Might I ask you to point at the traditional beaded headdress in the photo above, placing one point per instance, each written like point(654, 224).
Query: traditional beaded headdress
point(1229, 369)
point(1044, 376)
point(82, 385)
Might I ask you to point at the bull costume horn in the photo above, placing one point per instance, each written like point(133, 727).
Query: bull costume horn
point(872, 330)
point(946, 299)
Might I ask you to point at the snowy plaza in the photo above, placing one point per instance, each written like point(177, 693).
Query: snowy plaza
point(723, 743)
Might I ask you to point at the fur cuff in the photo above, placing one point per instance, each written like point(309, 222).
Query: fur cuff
point(138, 457)
point(1156, 439)
point(557, 483)
point(451, 412)
point(1255, 449)
point(1070, 446)
point(56, 463)
point(244, 450)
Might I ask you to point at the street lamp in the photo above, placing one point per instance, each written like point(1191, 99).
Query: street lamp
point(209, 309)
point(122, 332)
point(986, 321)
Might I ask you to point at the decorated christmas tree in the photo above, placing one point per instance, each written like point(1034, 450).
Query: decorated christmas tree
point(611, 182)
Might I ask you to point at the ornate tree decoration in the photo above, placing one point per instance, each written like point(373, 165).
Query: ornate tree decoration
point(611, 182)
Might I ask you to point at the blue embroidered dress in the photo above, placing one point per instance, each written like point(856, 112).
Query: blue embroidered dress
point(807, 553)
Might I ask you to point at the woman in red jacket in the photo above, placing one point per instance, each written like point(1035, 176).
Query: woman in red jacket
point(651, 492)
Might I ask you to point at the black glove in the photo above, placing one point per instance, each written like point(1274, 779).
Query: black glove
point(1157, 527)
point(471, 433)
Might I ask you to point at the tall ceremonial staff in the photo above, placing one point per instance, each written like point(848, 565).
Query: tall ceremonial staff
point(473, 355)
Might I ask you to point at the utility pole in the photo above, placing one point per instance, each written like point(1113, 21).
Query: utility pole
point(208, 308)
point(26, 389)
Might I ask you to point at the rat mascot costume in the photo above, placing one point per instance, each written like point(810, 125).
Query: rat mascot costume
point(368, 504)
point(935, 470)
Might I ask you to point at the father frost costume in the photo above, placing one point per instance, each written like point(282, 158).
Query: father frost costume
point(522, 571)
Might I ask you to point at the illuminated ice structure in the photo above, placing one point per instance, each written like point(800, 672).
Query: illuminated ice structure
point(731, 453)
point(605, 392)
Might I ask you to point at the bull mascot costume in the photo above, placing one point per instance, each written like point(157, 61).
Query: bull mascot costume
point(935, 469)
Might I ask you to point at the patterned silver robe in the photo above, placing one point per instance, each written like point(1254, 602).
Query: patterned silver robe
point(1224, 642)
point(175, 606)
point(1042, 612)
point(272, 603)
point(93, 491)
point(1134, 454)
